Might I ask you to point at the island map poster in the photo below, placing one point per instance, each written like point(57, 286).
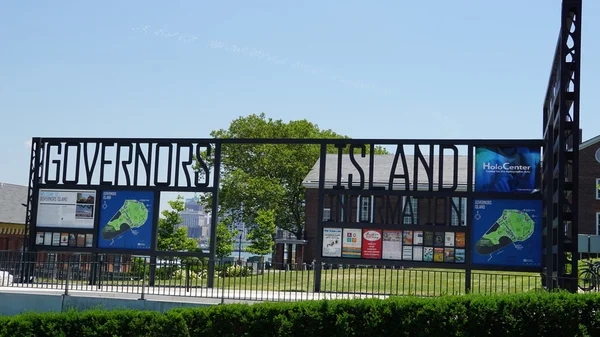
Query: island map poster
point(126, 220)
point(507, 233)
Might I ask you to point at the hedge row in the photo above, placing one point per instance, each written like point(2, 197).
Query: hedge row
point(534, 314)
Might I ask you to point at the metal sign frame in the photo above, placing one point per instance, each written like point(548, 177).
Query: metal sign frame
point(562, 136)
point(561, 139)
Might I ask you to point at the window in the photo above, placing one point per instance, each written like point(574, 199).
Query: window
point(598, 223)
point(117, 264)
point(410, 210)
point(364, 209)
point(458, 209)
point(597, 188)
point(326, 214)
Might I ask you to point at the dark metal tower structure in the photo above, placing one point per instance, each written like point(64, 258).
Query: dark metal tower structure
point(562, 137)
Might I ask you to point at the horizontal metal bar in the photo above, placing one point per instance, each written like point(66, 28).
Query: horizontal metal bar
point(390, 226)
point(437, 194)
point(126, 188)
point(472, 142)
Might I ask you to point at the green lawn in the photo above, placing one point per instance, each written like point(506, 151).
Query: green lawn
point(420, 282)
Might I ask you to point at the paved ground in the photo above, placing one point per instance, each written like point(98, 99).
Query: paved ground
point(194, 295)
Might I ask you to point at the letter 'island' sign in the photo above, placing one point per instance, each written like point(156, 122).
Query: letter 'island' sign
point(425, 208)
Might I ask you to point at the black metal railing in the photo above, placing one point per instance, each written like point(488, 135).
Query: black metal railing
point(253, 281)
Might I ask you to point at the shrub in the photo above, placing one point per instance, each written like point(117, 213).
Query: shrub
point(181, 274)
point(530, 314)
point(236, 271)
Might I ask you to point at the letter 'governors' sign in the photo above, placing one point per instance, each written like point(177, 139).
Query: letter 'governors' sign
point(165, 164)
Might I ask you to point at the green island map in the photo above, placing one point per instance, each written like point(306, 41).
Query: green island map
point(512, 226)
point(133, 214)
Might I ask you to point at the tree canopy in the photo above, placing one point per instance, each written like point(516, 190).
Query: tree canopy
point(268, 176)
point(225, 238)
point(261, 234)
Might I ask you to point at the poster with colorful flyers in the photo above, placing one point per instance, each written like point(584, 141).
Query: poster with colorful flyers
point(460, 240)
point(459, 255)
point(428, 239)
point(80, 240)
point(417, 253)
point(89, 239)
point(48, 239)
point(72, 240)
point(438, 254)
point(449, 239)
point(449, 255)
point(332, 242)
point(438, 239)
point(56, 239)
point(407, 253)
point(392, 245)
point(64, 239)
point(371, 245)
point(407, 237)
point(352, 242)
point(428, 254)
point(418, 238)
point(39, 238)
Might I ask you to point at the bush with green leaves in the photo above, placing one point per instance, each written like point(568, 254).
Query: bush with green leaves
point(522, 315)
point(236, 271)
point(182, 274)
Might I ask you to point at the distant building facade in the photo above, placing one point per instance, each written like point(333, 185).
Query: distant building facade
point(12, 216)
point(195, 220)
point(589, 187)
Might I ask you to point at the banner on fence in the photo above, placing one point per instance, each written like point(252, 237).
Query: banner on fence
point(332, 242)
point(371, 244)
point(507, 233)
point(392, 245)
point(351, 246)
point(126, 220)
point(507, 169)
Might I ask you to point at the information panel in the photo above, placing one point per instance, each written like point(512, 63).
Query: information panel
point(507, 169)
point(66, 208)
point(332, 242)
point(507, 233)
point(126, 220)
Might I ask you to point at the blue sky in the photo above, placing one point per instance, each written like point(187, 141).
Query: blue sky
point(382, 69)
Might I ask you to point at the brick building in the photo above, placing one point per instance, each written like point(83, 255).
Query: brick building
point(12, 216)
point(589, 187)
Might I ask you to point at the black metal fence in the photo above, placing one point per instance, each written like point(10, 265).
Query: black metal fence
point(253, 281)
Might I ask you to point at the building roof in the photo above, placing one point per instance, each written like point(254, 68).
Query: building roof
point(11, 199)
point(381, 175)
point(589, 142)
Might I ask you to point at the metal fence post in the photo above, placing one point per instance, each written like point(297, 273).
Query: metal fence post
point(68, 274)
point(317, 268)
point(187, 277)
point(223, 278)
point(467, 280)
point(143, 282)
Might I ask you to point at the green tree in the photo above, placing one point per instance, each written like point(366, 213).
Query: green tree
point(268, 176)
point(262, 234)
point(225, 238)
point(170, 236)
